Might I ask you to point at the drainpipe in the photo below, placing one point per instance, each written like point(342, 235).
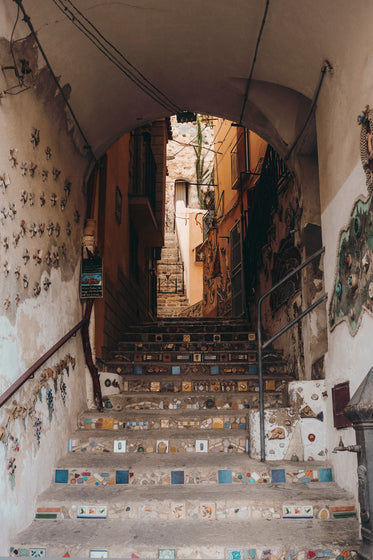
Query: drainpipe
point(360, 411)
point(243, 224)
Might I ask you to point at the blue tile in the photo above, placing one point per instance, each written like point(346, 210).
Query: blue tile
point(175, 370)
point(177, 477)
point(122, 477)
point(137, 370)
point(225, 476)
point(214, 370)
point(61, 476)
point(253, 370)
point(278, 475)
point(325, 475)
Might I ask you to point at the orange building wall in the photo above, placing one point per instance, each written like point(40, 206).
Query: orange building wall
point(217, 265)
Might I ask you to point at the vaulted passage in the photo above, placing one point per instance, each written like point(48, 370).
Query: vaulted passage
point(136, 422)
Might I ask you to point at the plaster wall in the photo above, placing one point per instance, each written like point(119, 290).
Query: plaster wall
point(189, 235)
point(36, 313)
point(349, 357)
point(181, 162)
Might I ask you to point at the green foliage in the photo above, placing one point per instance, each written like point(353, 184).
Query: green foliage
point(203, 174)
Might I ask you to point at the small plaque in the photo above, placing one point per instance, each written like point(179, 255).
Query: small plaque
point(91, 278)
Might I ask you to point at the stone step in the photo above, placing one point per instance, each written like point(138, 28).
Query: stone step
point(234, 539)
point(192, 344)
point(214, 501)
point(197, 370)
point(102, 469)
point(224, 401)
point(190, 325)
point(164, 440)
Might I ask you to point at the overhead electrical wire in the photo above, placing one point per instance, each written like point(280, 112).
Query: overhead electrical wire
point(114, 55)
point(248, 84)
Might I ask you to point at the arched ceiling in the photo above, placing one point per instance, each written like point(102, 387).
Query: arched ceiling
point(197, 52)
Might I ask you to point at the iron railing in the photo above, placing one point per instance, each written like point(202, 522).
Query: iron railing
point(262, 346)
point(171, 281)
point(83, 325)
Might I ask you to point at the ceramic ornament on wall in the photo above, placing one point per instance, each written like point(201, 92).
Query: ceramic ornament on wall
point(353, 286)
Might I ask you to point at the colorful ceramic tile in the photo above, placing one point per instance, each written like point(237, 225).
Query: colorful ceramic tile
point(242, 385)
point(214, 370)
point(175, 370)
point(167, 553)
point(218, 423)
point(61, 476)
point(325, 475)
point(108, 423)
point(186, 386)
point(162, 446)
point(155, 386)
point(120, 446)
point(121, 477)
point(92, 512)
point(98, 553)
point(225, 476)
point(297, 512)
point(137, 370)
point(177, 477)
point(202, 445)
point(234, 554)
point(38, 552)
point(278, 475)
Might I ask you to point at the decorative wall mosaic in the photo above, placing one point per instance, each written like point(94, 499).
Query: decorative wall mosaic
point(353, 286)
point(38, 225)
point(47, 381)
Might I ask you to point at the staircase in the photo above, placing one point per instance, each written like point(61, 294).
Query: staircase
point(164, 472)
point(171, 297)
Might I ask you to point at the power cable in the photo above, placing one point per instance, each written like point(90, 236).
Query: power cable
point(94, 35)
point(326, 67)
point(177, 108)
point(11, 47)
point(27, 20)
point(248, 84)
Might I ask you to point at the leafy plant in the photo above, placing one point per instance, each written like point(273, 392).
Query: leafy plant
point(203, 175)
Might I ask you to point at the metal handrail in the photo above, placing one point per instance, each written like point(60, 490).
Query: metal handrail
point(31, 370)
point(261, 346)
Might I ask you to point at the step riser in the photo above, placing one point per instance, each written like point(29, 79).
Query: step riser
point(140, 439)
point(193, 552)
point(181, 510)
point(163, 477)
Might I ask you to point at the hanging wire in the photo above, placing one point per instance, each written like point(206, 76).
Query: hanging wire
point(110, 52)
point(326, 67)
point(248, 84)
point(177, 108)
point(11, 48)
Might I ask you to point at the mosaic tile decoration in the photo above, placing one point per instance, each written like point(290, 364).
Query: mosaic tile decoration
point(278, 475)
point(225, 476)
point(235, 554)
point(177, 477)
point(297, 512)
point(92, 512)
point(122, 477)
point(61, 476)
point(167, 553)
point(325, 475)
point(98, 553)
